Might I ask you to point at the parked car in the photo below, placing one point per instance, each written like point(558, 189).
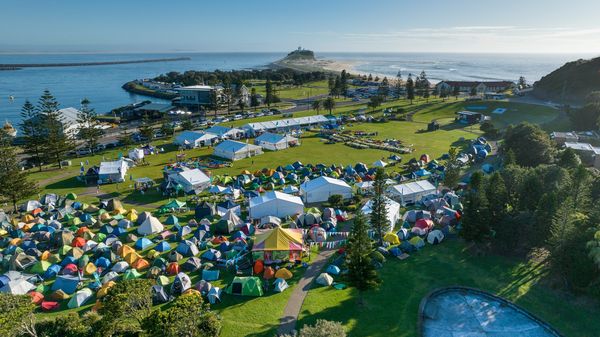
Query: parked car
point(237, 117)
point(84, 151)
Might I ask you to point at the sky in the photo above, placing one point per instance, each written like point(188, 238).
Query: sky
point(483, 26)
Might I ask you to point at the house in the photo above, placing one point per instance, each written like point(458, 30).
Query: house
point(480, 87)
point(197, 96)
point(192, 180)
point(494, 95)
point(233, 150)
point(285, 125)
point(193, 139)
point(153, 110)
point(274, 203)
point(320, 189)
point(70, 126)
point(392, 208)
point(112, 171)
point(588, 154)
point(274, 141)
point(411, 192)
point(562, 137)
point(224, 132)
point(469, 117)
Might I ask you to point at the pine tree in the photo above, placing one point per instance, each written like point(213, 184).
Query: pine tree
point(456, 92)
point(33, 135)
point(14, 183)
point(125, 137)
point(335, 91)
point(475, 220)
point(384, 88)
point(145, 128)
point(316, 105)
point(344, 83)
point(497, 197)
point(329, 104)
point(214, 100)
point(268, 92)
point(398, 86)
point(379, 220)
point(361, 272)
point(452, 172)
point(57, 142)
point(410, 89)
point(254, 99)
point(89, 129)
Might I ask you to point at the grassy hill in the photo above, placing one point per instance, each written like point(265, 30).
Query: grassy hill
point(570, 83)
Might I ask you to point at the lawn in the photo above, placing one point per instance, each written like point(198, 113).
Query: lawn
point(392, 309)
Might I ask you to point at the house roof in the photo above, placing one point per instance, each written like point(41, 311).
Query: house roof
point(196, 88)
point(476, 83)
point(193, 136)
point(413, 187)
point(274, 138)
point(160, 107)
point(275, 195)
point(233, 146)
point(322, 181)
point(579, 146)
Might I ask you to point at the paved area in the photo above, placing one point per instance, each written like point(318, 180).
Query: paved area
point(292, 309)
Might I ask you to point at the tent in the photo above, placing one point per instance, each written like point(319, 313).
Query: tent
point(113, 171)
point(210, 275)
point(380, 163)
point(214, 295)
point(324, 279)
point(321, 188)
point(181, 283)
point(278, 243)
point(435, 237)
point(332, 269)
point(280, 285)
point(159, 295)
point(204, 210)
point(16, 284)
point(80, 298)
point(392, 208)
point(143, 243)
point(274, 142)
point(411, 192)
point(150, 225)
point(233, 150)
point(191, 180)
point(66, 283)
point(187, 248)
point(275, 203)
point(284, 273)
point(227, 205)
point(391, 238)
point(245, 286)
point(192, 139)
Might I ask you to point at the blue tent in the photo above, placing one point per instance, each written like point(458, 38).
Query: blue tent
point(210, 275)
point(143, 243)
point(187, 248)
point(163, 246)
point(4, 280)
point(118, 231)
point(422, 173)
point(211, 255)
point(68, 284)
point(67, 260)
point(51, 272)
point(171, 220)
point(102, 262)
point(85, 217)
point(333, 270)
point(106, 229)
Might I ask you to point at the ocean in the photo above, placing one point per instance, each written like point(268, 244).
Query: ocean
point(102, 84)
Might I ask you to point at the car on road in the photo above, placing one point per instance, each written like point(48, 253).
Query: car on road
point(237, 117)
point(84, 151)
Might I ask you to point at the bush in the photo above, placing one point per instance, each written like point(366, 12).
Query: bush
point(489, 129)
point(377, 256)
point(351, 208)
point(335, 200)
point(322, 328)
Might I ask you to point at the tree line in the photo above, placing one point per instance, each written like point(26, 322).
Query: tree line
point(543, 200)
point(283, 76)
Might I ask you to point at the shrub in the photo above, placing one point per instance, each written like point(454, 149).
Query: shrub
point(377, 256)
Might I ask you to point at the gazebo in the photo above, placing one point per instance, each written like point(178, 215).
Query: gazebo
point(278, 244)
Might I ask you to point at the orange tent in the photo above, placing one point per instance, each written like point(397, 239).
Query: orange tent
point(131, 258)
point(173, 268)
point(259, 266)
point(82, 230)
point(126, 250)
point(36, 297)
point(269, 273)
point(78, 242)
point(104, 289)
point(141, 264)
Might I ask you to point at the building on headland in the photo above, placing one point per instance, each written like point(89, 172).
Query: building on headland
point(481, 87)
point(197, 96)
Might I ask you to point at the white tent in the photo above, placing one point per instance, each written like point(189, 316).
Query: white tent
point(192, 139)
point(233, 150)
point(150, 226)
point(324, 279)
point(393, 211)
point(191, 179)
point(411, 192)
point(320, 189)
point(224, 132)
point(113, 171)
point(280, 285)
point(275, 204)
point(17, 285)
point(214, 295)
point(136, 154)
point(274, 141)
point(380, 163)
point(80, 298)
point(216, 189)
point(290, 189)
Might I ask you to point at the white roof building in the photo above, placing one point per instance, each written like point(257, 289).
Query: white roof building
point(113, 171)
point(224, 132)
point(284, 124)
point(191, 180)
point(233, 150)
point(411, 192)
point(274, 141)
point(320, 189)
point(193, 139)
point(275, 203)
point(393, 211)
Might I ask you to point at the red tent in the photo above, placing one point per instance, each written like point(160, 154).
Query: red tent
point(425, 224)
point(36, 297)
point(173, 268)
point(78, 242)
point(49, 305)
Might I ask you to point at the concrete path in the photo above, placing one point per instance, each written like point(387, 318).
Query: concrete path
point(292, 309)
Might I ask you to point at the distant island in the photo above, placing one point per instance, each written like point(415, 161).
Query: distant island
point(570, 83)
point(81, 64)
point(304, 60)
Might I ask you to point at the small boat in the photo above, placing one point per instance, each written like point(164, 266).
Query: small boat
point(11, 98)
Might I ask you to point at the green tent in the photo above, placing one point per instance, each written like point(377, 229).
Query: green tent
point(71, 196)
point(175, 204)
point(40, 267)
point(245, 286)
point(64, 250)
point(130, 274)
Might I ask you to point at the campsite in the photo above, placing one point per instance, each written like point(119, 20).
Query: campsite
point(241, 225)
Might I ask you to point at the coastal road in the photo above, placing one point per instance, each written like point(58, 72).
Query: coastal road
point(304, 103)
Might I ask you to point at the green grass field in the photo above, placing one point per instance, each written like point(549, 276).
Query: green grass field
point(392, 309)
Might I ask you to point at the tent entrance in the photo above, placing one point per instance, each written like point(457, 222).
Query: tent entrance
point(236, 288)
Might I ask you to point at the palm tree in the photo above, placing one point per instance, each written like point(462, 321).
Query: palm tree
point(329, 104)
point(316, 105)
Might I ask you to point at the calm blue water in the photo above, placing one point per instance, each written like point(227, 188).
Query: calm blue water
point(102, 84)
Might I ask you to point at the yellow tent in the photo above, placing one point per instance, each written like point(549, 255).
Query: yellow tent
point(284, 273)
point(132, 215)
point(104, 289)
point(27, 218)
point(105, 217)
point(126, 250)
point(131, 257)
point(391, 238)
point(89, 269)
point(279, 239)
